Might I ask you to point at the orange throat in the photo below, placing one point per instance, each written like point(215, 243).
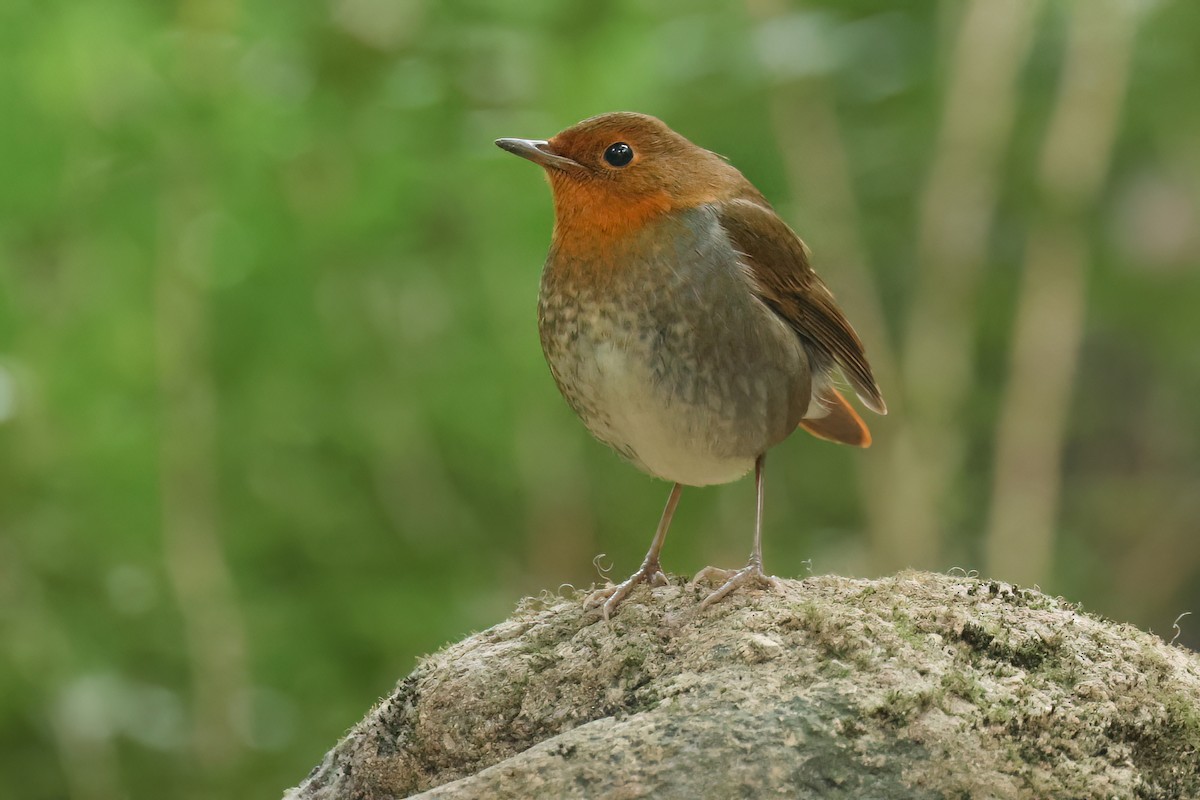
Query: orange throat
point(593, 214)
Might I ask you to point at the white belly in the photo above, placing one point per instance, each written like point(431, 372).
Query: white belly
point(664, 435)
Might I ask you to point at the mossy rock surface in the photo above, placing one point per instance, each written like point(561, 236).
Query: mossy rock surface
point(915, 686)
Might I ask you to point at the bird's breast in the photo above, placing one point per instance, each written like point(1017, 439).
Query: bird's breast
point(668, 358)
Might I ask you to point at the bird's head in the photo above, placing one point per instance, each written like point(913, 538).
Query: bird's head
point(617, 171)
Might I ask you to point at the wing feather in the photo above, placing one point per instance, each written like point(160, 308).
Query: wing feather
point(778, 265)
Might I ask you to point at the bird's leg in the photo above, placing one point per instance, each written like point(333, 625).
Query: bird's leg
point(752, 573)
point(650, 572)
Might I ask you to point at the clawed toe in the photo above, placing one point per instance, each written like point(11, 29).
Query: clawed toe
point(608, 598)
point(750, 575)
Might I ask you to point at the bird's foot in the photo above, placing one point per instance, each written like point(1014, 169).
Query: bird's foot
point(608, 598)
point(750, 575)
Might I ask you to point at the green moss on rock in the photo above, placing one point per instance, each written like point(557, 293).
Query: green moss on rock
point(915, 686)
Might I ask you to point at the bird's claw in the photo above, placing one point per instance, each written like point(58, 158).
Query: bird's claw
point(750, 575)
point(608, 598)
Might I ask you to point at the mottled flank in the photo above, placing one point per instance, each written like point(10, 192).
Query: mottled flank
point(917, 686)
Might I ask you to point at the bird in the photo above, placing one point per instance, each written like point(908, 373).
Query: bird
point(682, 321)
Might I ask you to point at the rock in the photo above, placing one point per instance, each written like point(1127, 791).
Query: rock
point(915, 686)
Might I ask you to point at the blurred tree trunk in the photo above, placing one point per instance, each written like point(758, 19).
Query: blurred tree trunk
point(957, 209)
point(1050, 308)
point(189, 470)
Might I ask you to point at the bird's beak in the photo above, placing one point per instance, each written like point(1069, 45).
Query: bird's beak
point(539, 151)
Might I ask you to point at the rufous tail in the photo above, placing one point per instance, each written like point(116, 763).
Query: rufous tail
point(842, 424)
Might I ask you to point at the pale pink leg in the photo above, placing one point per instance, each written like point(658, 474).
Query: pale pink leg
point(650, 572)
point(752, 573)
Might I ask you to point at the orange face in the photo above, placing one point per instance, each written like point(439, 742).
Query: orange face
point(616, 171)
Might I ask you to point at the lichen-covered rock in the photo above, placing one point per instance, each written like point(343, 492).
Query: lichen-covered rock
point(917, 686)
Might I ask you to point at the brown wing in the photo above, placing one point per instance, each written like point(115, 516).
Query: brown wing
point(785, 282)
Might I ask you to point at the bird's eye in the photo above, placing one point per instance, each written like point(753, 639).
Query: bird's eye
point(618, 154)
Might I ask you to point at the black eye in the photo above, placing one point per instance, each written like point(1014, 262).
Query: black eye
point(618, 154)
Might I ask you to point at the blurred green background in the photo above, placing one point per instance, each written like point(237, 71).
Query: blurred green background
point(274, 418)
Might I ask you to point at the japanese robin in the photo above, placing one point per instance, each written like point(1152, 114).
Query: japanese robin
point(682, 321)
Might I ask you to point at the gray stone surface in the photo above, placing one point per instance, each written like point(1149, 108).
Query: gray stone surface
point(915, 686)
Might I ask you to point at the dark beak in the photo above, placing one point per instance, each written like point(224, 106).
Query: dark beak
point(540, 152)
